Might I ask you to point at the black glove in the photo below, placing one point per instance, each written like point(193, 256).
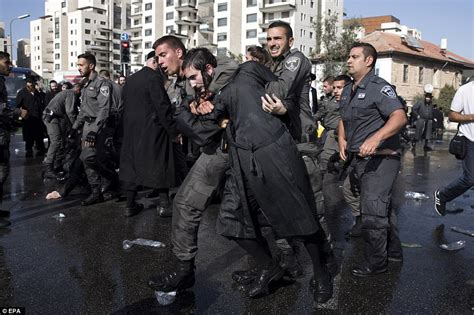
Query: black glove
point(91, 137)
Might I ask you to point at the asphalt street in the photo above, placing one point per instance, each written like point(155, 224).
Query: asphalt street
point(76, 264)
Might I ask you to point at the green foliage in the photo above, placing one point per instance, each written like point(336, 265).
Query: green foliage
point(336, 46)
point(445, 98)
point(239, 58)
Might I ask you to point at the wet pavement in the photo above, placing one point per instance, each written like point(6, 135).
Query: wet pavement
point(77, 264)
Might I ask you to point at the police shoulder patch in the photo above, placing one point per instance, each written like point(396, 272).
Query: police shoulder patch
point(292, 63)
point(388, 91)
point(104, 90)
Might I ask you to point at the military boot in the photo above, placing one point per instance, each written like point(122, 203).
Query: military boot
point(94, 197)
point(49, 171)
point(179, 279)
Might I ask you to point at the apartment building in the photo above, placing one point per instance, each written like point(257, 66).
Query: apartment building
point(4, 39)
point(227, 27)
point(72, 27)
point(23, 53)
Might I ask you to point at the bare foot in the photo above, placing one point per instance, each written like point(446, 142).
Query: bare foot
point(53, 195)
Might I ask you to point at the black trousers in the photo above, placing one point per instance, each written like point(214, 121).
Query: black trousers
point(376, 176)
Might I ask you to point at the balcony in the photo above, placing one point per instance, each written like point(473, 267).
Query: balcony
point(188, 21)
point(206, 28)
point(206, 2)
point(271, 6)
point(186, 6)
point(137, 1)
point(99, 48)
point(136, 12)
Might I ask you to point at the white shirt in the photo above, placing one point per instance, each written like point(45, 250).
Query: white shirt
point(463, 102)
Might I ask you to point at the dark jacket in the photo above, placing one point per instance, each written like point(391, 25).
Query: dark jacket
point(149, 129)
point(263, 151)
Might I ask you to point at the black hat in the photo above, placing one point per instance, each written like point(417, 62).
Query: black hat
point(151, 54)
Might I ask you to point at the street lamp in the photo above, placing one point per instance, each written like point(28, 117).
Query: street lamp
point(21, 17)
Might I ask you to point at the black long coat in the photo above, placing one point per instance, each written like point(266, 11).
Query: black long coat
point(33, 126)
point(148, 131)
point(264, 151)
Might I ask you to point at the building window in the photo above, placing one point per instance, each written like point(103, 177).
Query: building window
point(56, 46)
point(116, 46)
point(221, 37)
point(147, 45)
point(56, 67)
point(222, 22)
point(405, 73)
point(88, 21)
point(169, 29)
point(311, 35)
point(57, 56)
point(102, 23)
point(63, 4)
point(87, 42)
point(170, 15)
point(285, 14)
point(148, 19)
point(251, 18)
point(221, 7)
point(169, 3)
point(148, 6)
point(136, 22)
point(116, 57)
point(251, 3)
point(87, 31)
point(222, 51)
point(148, 32)
point(251, 33)
point(420, 75)
point(271, 17)
point(116, 36)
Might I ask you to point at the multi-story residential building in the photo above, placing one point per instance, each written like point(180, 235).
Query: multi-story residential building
point(227, 27)
point(72, 27)
point(23, 53)
point(4, 39)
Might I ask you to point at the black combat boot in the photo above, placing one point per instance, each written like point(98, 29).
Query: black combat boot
point(94, 197)
point(180, 279)
point(49, 171)
point(245, 276)
point(261, 286)
point(164, 208)
point(324, 288)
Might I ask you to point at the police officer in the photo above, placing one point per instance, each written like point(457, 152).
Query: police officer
point(7, 116)
point(368, 136)
point(95, 107)
point(208, 172)
point(423, 111)
point(293, 70)
point(63, 107)
point(328, 115)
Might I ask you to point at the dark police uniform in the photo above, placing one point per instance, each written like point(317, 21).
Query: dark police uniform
point(95, 107)
point(61, 108)
point(364, 111)
point(208, 172)
point(7, 116)
point(328, 114)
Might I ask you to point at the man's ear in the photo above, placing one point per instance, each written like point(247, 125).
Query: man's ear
point(179, 52)
point(291, 41)
point(209, 69)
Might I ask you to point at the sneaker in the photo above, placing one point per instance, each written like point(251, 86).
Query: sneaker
point(440, 206)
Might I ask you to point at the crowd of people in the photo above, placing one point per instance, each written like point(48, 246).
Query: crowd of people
point(245, 132)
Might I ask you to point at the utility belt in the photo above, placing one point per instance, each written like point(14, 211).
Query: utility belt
point(89, 119)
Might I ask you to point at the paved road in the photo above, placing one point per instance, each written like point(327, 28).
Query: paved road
point(78, 265)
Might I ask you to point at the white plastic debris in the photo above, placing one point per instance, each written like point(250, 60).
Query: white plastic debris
point(453, 246)
point(59, 216)
point(127, 244)
point(416, 195)
point(165, 298)
point(462, 231)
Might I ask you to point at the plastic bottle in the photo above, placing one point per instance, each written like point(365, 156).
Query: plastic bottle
point(141, 241)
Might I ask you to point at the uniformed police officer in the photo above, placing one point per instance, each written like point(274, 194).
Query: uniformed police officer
point(293, 70)
point(372, 117)
point(95, 107)
point(62, 107)
point(328, 115)
point(6, 119)
point(208, 173)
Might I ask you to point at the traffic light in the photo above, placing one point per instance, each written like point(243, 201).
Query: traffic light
point(125, 51)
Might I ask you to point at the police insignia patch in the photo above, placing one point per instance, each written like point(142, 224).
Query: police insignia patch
point(388, 91)
point(104, 91)
point(292, 63)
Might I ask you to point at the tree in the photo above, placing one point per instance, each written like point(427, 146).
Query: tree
point(331, 48)
point(445, 98)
